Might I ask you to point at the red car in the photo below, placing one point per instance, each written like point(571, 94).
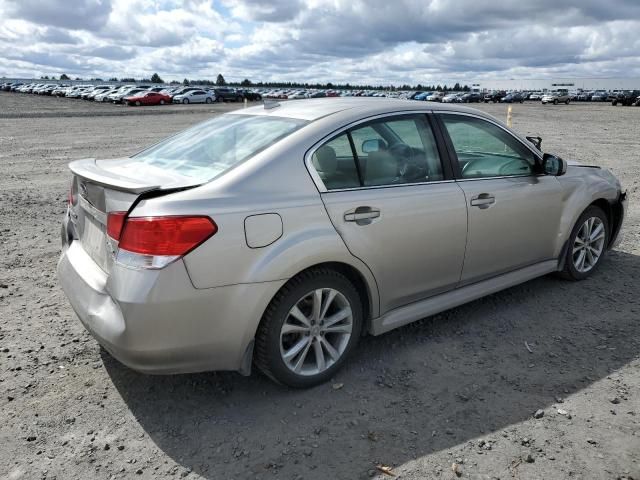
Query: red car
point(147, 98)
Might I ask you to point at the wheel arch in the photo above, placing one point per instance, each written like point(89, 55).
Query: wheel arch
point(358, 280)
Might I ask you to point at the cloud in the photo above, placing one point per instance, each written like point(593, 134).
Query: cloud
point(75, 15)
point(357, 41)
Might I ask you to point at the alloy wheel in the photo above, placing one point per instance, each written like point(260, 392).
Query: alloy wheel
point(316, 332)
point(588, 244)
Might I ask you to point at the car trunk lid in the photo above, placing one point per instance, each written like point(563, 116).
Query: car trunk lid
point(103, 186)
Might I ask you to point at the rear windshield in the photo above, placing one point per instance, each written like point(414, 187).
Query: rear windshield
point(209, 149)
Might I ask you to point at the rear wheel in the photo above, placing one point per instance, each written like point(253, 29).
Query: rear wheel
point(208, 100)
point(587, 244)
point(137, 103)
point(555, 102)
point(185, 100)
point(161, 102)
point(567, 102)
point(309, 329)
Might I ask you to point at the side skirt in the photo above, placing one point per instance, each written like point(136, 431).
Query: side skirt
point(430, 306)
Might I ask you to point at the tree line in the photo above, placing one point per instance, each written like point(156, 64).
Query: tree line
point(221, 82)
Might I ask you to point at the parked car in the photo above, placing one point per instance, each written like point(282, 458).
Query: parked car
point(104, 95)
point(435, 97)
point(147, 98)
point(119, 95)
point(452, 98)
point(495, 96)
point(187, 256)
point(471, 97)
point(250, 95)
point(513, 97)
point(625, 97)
point(183, 90)
point(227, 95)
point(422, 97)
point(600, 96)
point(195, 96)
point(556, 97)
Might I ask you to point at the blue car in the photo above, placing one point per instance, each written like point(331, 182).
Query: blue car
point(422, 96)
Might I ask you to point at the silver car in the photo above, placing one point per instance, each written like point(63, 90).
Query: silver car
point(195, 96)
point(278, 235)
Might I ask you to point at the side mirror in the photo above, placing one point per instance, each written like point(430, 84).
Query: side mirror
point(373, 145)
point(552, 165)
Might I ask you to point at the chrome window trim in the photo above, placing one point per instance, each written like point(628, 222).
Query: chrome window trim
point(314, 174)
point(376, 187)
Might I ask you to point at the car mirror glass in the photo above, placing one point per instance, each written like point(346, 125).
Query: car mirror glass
point(373, 145)
point(553, 165)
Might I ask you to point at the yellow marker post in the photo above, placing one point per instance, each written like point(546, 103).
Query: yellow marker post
point(509, 111)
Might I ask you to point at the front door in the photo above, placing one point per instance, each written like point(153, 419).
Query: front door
point(514, 212)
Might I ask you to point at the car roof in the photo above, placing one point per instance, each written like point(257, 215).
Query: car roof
point(316, 108)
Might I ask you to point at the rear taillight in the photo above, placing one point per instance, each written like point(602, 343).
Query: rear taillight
point(115, 222)
point(165, 235)
point(154, 242)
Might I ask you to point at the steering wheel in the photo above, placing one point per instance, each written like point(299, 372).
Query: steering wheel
point(512, 166)
point(469, 165)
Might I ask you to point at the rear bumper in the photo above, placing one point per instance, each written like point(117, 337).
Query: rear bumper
point(155, 321)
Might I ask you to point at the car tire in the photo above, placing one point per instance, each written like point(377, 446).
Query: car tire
point(161, 102)
point(555, 102)
point(305, 346)
point(185, 101)
point(138, 104)
point(614, 103)
point(567, 102)
point(208, 100)
point(576, 251)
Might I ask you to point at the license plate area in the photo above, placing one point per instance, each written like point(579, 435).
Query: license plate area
point(94, 241)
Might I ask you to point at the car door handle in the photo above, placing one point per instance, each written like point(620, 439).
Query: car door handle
point(362, 215)
point(484, 200)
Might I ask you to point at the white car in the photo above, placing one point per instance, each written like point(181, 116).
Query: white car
point(195, 96)
point(298, 95)
point(452, 98)
point(103, 96)
point(435, 97)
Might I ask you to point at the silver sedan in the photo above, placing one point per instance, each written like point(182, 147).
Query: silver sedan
point(278, 235)
point(195, 96)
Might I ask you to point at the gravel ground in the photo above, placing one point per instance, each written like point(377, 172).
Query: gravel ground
point(453, 395)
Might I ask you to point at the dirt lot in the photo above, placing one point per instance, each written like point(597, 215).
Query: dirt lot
point(460, 387)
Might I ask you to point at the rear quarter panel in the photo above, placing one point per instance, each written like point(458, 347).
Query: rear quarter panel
point(263, 185)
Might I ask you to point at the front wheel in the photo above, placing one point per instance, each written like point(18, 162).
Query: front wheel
point(185, 101)
point(555, 102)
point(309, 329)
point(587, 244)
point(161, 102)
point(208, 100)
point(138, 104)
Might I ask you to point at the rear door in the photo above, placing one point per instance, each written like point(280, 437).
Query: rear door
point(514, 210)
point(395, 206)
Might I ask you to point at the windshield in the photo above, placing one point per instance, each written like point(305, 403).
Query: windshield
point(209, 149)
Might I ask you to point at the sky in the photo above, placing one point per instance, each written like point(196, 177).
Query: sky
point(389, 42)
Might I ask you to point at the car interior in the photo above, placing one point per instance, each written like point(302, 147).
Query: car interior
point(383, 160)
